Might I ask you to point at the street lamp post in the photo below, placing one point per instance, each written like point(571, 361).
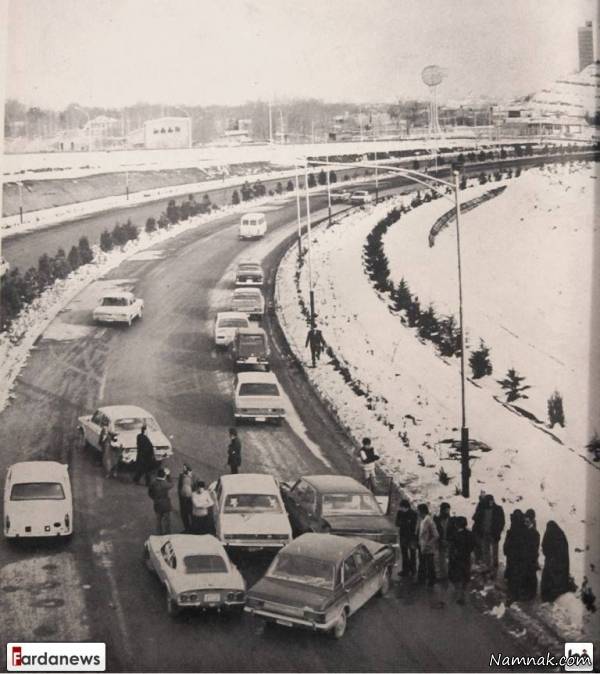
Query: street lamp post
point(298, 213)
point(328, 190)
point(311, 292)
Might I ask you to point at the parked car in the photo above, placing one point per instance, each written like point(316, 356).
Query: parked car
point(340, 197)
point(257, 396)
point(318, 580)
point(119, 307)
point(360, 198)
point(125, 421)
point(38, 500)
point(249, 273)
point(249, 301)
point(250, 349)
point(249, 512)
point(336, 504)
point(253, 226)
point(227, 323)
point(196, 572)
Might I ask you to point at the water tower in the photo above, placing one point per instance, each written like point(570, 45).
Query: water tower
point(432, 76)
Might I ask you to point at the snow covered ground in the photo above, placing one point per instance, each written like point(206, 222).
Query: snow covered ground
point(411, 402)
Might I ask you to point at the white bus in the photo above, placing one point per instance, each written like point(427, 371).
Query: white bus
point(253, 225)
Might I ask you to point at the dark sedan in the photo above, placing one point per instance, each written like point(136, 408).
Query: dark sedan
point(317, 581)
point(336, 504)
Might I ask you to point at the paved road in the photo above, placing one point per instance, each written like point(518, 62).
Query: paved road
point(96, 587)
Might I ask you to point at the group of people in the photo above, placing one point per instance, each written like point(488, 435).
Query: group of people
point(442, 547)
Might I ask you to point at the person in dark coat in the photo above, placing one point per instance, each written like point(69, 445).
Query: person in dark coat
point(488, 524)
point(159, 493)
point(184, 491)
point(530, 551)
point(145, 463)
point(555, 576)
point(368, 458)
point(234, 452)
point(460, 546)
point(406, 521)
point(445, 526)
point(314, 340)
point(513, 551)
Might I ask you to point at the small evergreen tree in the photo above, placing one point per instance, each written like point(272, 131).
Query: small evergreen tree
point(449, 339)
point(150, 225)
point(428, 325)
point(45, 275)
point(106, 241)
point(119, 236)
point(513, 386)
point(85, 252)
point(332, 177)
point(130, 231)
point(172, 212)
point(556, 414)
point(31, 285)
point(290, 186)
point(246, 191)
point(401, 296)
point(463, 182)
point(480, 362)
point(482, 178)
point(10, 298)
point(73, 258)
point(594, 446)
point(235, 198)
point(279, 188)
point(184, 210)
point(322, 178)
point(163, 221)
point(413, 312)
point(311, 180)
point(61, 267)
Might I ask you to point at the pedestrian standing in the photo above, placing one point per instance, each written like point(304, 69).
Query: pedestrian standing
point(159, 493)
point(478, 541)
point(555, 576)
point(406, 521)
point(445, 525)
point(314, 340)
point(234, 452)
point(531, 548)
point(368, 458)
point(184, 491)
point(513, 551)
point(488, 526)
point(201, 506)
point(104, 444)
point(145, 463)
point(427, 536)
point(461, 545)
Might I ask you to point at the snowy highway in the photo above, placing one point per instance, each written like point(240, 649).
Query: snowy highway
point(96, 587)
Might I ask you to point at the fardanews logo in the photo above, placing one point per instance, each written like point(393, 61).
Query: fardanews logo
point(56, 657)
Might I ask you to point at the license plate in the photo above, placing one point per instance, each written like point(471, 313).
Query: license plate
point(260, 418)
point(212, 597)
point(253, 548)
point(285, 623)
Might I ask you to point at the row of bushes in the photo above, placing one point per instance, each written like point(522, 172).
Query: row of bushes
point(248, 192)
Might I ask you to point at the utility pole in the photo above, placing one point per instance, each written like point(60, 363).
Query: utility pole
point(270, 124)
point(328, 189)
point(311, 292)
point(298, 213)
point(376, 180)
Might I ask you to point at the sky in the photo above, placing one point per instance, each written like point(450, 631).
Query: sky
point(113, 53)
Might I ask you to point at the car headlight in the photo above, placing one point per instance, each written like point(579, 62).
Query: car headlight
point(314, 616)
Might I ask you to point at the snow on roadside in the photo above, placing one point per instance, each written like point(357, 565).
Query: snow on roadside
point(411, 401)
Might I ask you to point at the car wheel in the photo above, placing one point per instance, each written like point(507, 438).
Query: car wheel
point(339, 628)
point(129, 321)
point(141, 314)
point(83, 443)
point(172, 606)
point(386, 583)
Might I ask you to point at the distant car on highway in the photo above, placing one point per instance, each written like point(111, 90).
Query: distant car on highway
point(336, 504)
point(250, 349)
point(249, 301)
point(340, 197)
point(249, 512)
point(257, 397)
point(249, 273)
point(253, 226)
point(227, 323)
point(38, 500)
point(125, 421)
point(196, 572)
point(317, 581)
point(121, 307)
point(360, 198)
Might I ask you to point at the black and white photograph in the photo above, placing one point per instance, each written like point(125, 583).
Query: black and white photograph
point(299, 336)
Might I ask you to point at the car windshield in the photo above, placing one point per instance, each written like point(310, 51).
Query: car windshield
point(256, 389)
point(304, 570)
point(250, 270)
point(204, 564)
point(135, 423)
point(114, 302)
point(350, 504)
point(246, 296)
point(233, 323)
point(37, 491)
point(243, 503)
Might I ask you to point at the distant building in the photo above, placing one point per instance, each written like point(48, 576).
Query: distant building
point(585, 43)
point(102, 132)
point(165, 133)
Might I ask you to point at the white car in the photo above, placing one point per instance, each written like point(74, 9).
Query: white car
point(38, 500)
point(360, 198)
point(125, 421)
point(196, 572)
point(257, 396)
point(340, 197)
point(249, 273)
point(249, 512)
point(227, 323)
point(249, 301)
point(119, 307)
point(253, 225)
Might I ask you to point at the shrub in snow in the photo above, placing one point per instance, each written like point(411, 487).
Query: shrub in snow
point(443, 476)
point(311, 180)
point(463, 183)
point(556, 414)
point(163, 221)
point(517, 171)
point(401, 296)
point(594, 446)
point(482, 178)
point(279, 188)
point(150, 225)
point(184, 210)
point(106, 241)
point(449, 337)
point(290, 186)
point(45, 271)
point(413, 312)
point(172, 212)
point(416, 200)
point(10, 297)
point(322, 179)
point(73, 258)
point(85, 252)
point(428, 325)
point(235, 198)
point(332, 177)
point(479, 360)
point(60, 265)
point(513, 386)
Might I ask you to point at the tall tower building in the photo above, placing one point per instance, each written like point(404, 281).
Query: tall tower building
point(585, 42)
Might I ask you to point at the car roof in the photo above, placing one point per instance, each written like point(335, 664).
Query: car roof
point(231, 314)
point(121, 294)
point(251, 330)
point(327, 547)
point(249, 263)
point(335, 483)
point(255, 214)
point(28, 470)
point(249, 482)
point(257, 377)
point(184, 544)
point(113, 411)
point(246, 291)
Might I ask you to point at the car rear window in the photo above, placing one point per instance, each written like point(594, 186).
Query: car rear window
point(351, 504)
point(236, 503)
point(114, 302)
point(37, 491)
point(246, 296)
point(204, 564)
point(303, 570)
point(135, 423)
point(255, 389)
point(233, 323)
